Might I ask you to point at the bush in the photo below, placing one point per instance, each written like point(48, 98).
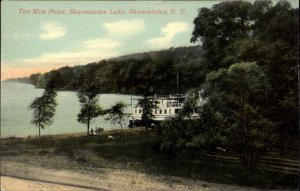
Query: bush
point(177, 135)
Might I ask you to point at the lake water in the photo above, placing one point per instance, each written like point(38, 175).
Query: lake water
point(16, 117)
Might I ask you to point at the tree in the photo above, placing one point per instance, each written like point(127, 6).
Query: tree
point(236, 100)
point(147, 104)
point(219, 27)
point(43, 109)
point(177, 136)
point(116, 115)
point(88, 98)
point(192, 102)
point(240, 31)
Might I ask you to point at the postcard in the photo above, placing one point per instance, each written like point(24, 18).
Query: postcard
point(149, 95)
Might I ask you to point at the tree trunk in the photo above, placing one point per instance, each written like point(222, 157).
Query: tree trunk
point(88, 127)
point(122, 133)
point(249, 159)
point(122, 130)
point(39, 130)
point(39, 122)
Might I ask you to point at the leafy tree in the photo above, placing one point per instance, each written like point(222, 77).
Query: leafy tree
point(177, 136)
point(192, 102)
point(239, 31)
point(147, 104)
point(43, 109)
point(236, 99)
point(88, 98)
point(219, 27)
point(116, 115)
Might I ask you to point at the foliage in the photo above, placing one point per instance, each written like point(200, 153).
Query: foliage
point(191, 102)
point(240, 31)
point(177, 135)
point(220, 26)
point(147, 104)
point(90, 109)
point(144, 73)
point(117, 113)
point(43, 109)
point(237, 97)
point(34, 78)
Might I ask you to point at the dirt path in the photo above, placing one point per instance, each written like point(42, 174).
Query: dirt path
point(97, 179)
point(17, 184)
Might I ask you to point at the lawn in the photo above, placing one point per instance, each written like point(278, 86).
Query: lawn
point(135, 149)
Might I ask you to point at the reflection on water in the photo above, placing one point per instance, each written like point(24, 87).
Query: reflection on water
point(16, 117)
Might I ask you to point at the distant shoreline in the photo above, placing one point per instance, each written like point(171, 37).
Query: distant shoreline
point(8, 81)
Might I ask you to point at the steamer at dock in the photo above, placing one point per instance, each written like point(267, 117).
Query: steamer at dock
point(168, 107)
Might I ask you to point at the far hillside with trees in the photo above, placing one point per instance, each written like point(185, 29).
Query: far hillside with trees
point(141, 73)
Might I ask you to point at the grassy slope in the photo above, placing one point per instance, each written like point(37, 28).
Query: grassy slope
point(140, 152)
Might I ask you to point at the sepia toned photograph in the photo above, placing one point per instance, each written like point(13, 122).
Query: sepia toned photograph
point(149, 95)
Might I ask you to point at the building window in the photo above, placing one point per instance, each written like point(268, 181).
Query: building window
point(160, 111)
point(135, 111)
point(155, 111)
point(165, 111)
point(170, 111)
point(140, 111)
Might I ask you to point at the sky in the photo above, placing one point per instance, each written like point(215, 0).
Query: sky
point(38, 36)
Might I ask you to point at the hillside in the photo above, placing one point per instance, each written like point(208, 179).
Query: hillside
point(166, 71)
point(25, 80)
point(180, 53)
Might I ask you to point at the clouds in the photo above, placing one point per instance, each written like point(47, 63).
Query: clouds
point(101, 43)
point(117, 38)
point(70, 58)
point(52, 30)
point(168, 32)
point(17, 35)
point(52, 41)
point(89, 50)
point(54, 60)
point(125, 27)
